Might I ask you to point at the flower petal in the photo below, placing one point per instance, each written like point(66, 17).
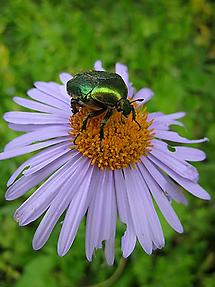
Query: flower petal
point(40, 200)
point(101, 218)
point(60, 203)
point(30, 148)
point(144, 93)
point(65, 77)
point(25, 183)
point(190, 186)
point(129, 238)
point(162, 201)
point(98, 66)
point(49, 100)
point(146, 222)
point(75, 213)
point(33, 105)
point(175, 137)
point(167, 185)
point(33, 118)
point(182, 168)
point(36, 136)
point(51, 89)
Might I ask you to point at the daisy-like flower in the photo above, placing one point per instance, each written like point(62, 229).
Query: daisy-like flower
point(121, 176)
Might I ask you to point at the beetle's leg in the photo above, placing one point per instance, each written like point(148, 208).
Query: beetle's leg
point(85, 120)
point(104, 122)
point(76, 138)
point(90, 115)
point(74, 104)
point(134, 116)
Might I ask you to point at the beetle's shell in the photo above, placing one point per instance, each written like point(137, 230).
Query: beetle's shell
point(106, 88)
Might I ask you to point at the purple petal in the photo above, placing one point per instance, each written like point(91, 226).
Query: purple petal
point(51, 89)
point(75, 213)
point(129, 238)
point(36, 136)
point(98, 66)
point(60, 203)
point(183, 168)
point(181, 153)
point(189, 153)
point(30, 104)
point(190, 186)
point(145, 219)
point(65, 77)
point(90, 228)
point(153, 116)
point(162, 201)
point(163, 122)
point(167, 185)
point(25, 183)
point(165, 125)
point(173, 116)
point(49, 100)
point(101, 218)
point(34, 118)
point(109, 250)
point(175, 137)
point(31, 148)
point(47, 158)
point(144, 93)
point(34, 159)
point(37, 203)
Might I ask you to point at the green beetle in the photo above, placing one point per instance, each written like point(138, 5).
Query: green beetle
point(102, 92)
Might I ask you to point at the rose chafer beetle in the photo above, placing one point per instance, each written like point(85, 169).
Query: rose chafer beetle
point(102, 92)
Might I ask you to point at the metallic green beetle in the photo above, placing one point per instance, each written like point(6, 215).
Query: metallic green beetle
point(103, 92)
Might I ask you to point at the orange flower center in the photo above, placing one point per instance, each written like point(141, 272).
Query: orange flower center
point(124, 142)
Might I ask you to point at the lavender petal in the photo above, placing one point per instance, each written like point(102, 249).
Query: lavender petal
point(36, 136)
point(60, 203)
point(175, 137)
point(31, 148)
point(41, 199)
point(25, 183)
point(33, 105)
point(47, 99)
point(162, 201)
point(167, 185)
point(65, 77)
point(33, 118)
point(190, 186)
point(144, 93)
point(98, 66)
point(75, 213)
point(182, 168)
point(128, 241)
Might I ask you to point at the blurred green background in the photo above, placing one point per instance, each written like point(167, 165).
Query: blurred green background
point(169, 46)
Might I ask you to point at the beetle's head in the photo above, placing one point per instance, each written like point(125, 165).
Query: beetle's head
point(124, 106)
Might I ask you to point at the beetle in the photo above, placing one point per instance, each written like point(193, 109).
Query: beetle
point(102, 92)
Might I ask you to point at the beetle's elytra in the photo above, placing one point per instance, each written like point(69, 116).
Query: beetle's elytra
point(103, 92)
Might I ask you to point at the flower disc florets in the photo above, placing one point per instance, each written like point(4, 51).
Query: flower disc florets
point(123, 144)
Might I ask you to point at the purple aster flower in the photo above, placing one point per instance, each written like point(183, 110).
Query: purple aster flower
point(119, 177)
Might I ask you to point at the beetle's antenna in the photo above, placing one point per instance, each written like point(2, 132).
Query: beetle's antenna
point(138, 100)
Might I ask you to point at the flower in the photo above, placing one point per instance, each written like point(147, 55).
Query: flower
point(120, 176)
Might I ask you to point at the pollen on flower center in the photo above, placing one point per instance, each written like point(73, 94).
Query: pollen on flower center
point(123, 144)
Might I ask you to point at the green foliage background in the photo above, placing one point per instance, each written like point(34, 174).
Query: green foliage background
point(169, 46)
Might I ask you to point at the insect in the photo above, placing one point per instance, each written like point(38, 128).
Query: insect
point(102, 92)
